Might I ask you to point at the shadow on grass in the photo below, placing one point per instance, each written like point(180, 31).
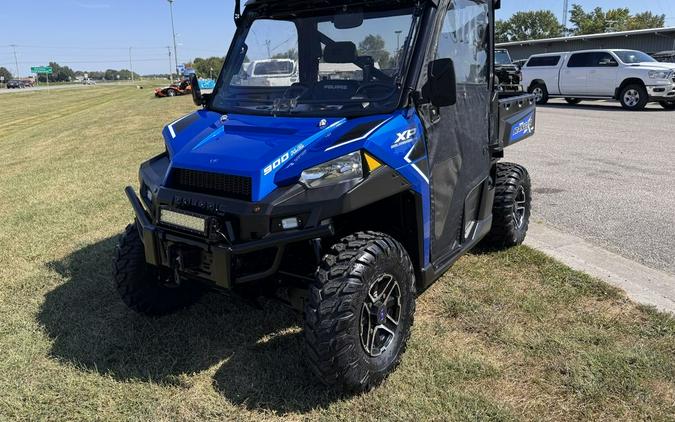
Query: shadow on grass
point(257, 353)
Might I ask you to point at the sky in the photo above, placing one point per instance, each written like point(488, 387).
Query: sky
point(97, 34)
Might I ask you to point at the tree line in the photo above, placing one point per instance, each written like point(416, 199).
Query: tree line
point(541, 24)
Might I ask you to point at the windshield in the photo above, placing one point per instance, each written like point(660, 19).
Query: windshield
point(502, 57)
point(347, 64)
point(631, 57)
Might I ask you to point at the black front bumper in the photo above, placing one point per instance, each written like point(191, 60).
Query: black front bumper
point(210, 260)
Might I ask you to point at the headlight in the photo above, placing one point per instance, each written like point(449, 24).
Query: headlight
point(660, 74)
point(340, 170)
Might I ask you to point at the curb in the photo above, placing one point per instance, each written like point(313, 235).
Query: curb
point(642, 284)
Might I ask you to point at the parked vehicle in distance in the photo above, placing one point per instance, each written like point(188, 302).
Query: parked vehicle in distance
point(507, 72)
point(271, 72)
point(664, 56)
point(342, 197)
point(520, 63)
point(15, 84)
point(182, 87)
point(631, 77)
point(88, 82)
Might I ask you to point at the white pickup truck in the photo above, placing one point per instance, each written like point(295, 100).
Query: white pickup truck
point(632, 77)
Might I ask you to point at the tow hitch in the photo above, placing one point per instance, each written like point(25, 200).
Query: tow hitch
point(181, 258)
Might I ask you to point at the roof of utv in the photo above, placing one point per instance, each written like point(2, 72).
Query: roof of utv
point(315, 3)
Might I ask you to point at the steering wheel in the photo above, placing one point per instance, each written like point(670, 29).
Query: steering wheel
point(371, 85)
point(296, 90)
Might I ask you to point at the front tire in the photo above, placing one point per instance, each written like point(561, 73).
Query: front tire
point(540, 93)
point(171, 93)
point(360, 311)
point(634, 97)
point(144, 288)
point(512, 207)
point(668, 105)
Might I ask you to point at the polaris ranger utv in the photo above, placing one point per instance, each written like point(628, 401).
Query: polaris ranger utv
point(345, 194)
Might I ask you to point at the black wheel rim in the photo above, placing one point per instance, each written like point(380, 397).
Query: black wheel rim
point(520, 207)
point(381, 315)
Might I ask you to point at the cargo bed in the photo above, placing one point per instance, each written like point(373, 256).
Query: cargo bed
point(516, 117)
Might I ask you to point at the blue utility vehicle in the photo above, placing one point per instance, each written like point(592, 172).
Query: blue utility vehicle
point(346, 191)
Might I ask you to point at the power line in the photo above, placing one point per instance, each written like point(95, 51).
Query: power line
point(116, 61)
point(65, 47)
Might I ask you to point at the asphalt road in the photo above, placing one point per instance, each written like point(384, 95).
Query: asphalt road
point(606, 175)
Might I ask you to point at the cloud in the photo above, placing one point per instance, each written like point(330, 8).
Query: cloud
point(93, 5)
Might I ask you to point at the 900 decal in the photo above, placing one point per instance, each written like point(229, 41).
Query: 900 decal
point(283, 159)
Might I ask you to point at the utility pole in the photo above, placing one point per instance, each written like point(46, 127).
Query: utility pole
point(269, 53)
point(170, 64)
point(131, 66)
point(398, 40)
point(16, 61)
point(565, 11)
point(173, 31)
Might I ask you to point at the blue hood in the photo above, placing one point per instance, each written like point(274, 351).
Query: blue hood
point(256, 146)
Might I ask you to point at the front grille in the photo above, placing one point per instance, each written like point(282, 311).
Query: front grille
point(238, 187)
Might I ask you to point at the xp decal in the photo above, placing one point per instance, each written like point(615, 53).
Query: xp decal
point(404, 138)
point(523, 128)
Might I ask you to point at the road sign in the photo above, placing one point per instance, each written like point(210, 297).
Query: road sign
point(2, 79)
point(42, 69)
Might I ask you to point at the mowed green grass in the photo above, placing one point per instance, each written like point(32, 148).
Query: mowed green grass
point(503, 336)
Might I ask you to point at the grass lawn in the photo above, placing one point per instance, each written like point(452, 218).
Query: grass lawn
point(503, 336)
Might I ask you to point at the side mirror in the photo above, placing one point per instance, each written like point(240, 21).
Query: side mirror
point(441, 86)
point(197, 96)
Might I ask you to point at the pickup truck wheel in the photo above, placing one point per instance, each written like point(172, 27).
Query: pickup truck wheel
point(634, 97)
point(512, 207)
point(668, 105)
point(540, 93)
point(170, 93)
point(573, 100)
point(144, 288)
point(360, 311)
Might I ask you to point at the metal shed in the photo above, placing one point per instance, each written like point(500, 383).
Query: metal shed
point(647, 40)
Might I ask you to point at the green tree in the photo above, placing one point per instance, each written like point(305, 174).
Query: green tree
point(620, 19)
point(646, 20)
point(110, 75)
point(374, 46)
point(203, 66)
point(59, 73)
point(125, 75)
point(290, 54)
point(6, 73)
point(532, 25)
point(502, 31)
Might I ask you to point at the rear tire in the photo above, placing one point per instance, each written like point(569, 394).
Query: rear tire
point(171, 93)
point(540, 93)
point(668, 105)
point(573, 101)
point(142, 287)
point(512, 207)
point(360, 311)
point(634, 97)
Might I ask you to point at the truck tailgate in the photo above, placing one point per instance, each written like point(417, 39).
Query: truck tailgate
point(517, 117)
